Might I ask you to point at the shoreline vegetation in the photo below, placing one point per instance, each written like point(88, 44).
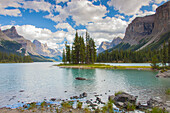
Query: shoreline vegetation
point(118, 102)
point(102, 66)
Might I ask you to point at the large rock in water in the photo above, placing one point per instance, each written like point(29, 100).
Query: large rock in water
point(80, 78)
point(125, 97)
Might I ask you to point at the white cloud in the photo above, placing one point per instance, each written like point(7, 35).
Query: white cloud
point(120, 16)
point(10, 3)
point(10, 12)
point(128, 7)
point(108, 28)
point(159, 1)
point(63, 1)
point(37, 6)
point(154, 7)
point(65, 26)
point(81, 11)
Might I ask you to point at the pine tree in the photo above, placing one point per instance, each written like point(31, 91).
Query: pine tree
point(169, 52)
point(64, 57)
point(68, 57)
point(82, 50)
point(76, 46)
point(154, 62)
point(87, 51)
point(164, 55)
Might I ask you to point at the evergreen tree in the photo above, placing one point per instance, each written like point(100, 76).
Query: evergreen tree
point(164, 55)
point(82, 50)
point(169, 52)
point(76, 48)
point(68, 57)
point(64, 57)
point(155, 62)
point(87, 51)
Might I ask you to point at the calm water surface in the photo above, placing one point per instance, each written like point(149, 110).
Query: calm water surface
point(43, 81)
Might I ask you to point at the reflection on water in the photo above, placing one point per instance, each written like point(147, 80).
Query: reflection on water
point(43, 81)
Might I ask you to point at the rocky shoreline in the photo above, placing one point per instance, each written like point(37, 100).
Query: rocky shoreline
point(165, 74)
point(119, 102)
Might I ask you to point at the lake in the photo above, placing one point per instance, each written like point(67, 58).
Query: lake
point(41, 81)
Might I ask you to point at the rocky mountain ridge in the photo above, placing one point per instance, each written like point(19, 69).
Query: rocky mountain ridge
point(149, 31)
point(107, 45)
point(35, 49)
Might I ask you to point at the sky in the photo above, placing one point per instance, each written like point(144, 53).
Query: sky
point(50, 21)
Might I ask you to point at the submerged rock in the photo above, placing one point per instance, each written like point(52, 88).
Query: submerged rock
point(80, 78)
point(21, 91)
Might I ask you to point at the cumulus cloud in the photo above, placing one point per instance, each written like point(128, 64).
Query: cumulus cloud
point(159, 1)
point(81, 11)
point(10, 3)
point(37, 5)
point(107, 28)
point(154, 7)
point(128, 7)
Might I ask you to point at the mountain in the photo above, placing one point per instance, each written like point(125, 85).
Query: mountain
point(26, 44)
point(107, 45)
point(11, 41)
point(149, 31)
point(3, 36)
point(44, 50)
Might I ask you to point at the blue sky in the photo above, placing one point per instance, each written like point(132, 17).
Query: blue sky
point(50, 21)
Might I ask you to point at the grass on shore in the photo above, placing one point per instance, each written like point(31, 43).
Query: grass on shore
point(104, 66)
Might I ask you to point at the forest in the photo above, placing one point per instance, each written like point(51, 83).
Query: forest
point(82, 52)
point(14, 58)
point(161, 55)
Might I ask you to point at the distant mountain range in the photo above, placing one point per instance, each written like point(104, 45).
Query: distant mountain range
point(11, 41)
point(146, 32)
point(108, 45)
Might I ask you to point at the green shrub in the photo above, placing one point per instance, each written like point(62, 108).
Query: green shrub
point(79, 105)
point(86, 110)
point(158, 110)
point(119, 92)
point(66, 105)
point(131, 107)
point(168, 92)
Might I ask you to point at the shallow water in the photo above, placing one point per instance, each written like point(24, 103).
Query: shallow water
point(43, 81)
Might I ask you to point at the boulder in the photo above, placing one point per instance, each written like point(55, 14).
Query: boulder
point(84, 94)
point(53, 99)
point(125, 97)
point(80, 78)
point(111, 98)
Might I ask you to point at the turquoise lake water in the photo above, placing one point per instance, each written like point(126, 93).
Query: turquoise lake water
point(44, 81)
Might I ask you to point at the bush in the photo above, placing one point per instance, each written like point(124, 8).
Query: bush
point(119, 92)
point(168, 92)
point(131, 107)
point(79, 105)
point(66, 105)
point(158, 110)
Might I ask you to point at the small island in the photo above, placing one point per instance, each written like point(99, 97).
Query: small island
point(102, 66)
